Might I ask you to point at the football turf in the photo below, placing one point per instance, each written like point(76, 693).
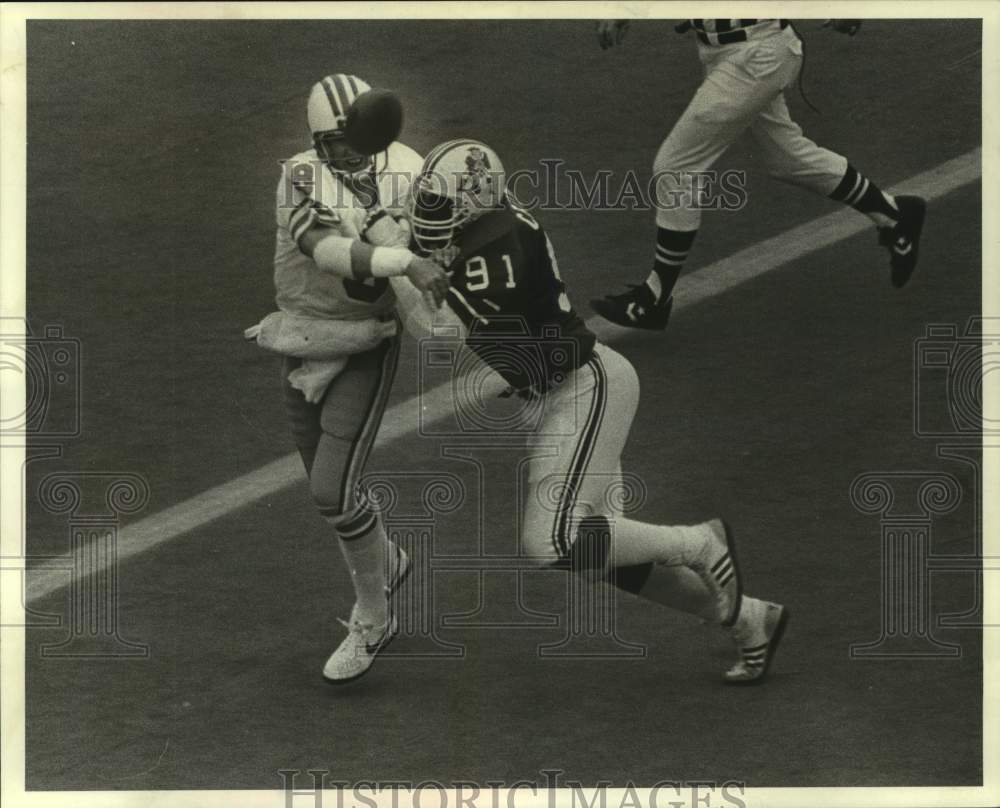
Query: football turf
point(153, 152)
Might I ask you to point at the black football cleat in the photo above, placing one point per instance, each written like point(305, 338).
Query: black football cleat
point(636, 308)
point(903, 239)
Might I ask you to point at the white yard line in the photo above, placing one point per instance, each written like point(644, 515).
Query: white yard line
point(401, 419)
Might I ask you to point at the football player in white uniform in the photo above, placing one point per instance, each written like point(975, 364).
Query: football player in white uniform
point(508, 300)
point(338, 243)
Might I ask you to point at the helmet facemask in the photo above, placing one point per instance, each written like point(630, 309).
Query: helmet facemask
point(334, 150)
point(434, 220)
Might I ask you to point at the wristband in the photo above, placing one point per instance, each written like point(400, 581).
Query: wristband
point(389, 261)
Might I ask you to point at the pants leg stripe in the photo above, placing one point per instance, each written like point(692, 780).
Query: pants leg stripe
point(363, 443)
point(356, 532)
point(581, 457)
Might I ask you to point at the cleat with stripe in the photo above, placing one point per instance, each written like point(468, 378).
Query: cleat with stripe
point(903, 239)
point(717, 566)
point(635, 308)
point(765, 625)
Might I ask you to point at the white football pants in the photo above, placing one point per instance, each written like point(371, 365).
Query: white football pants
point(574, 466)
point(743, 89)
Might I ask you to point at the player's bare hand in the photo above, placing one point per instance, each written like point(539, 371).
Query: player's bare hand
point(430, 279)
point(849, 27)
point(611, 32)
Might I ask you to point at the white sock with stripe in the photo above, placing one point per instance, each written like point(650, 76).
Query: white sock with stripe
point(640, 542)
point(367, 551)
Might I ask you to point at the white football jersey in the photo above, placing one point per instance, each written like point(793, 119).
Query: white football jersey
point(309, 195)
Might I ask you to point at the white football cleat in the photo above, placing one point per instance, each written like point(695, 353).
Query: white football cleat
point(757, 636)
point(716, 565)
point(355, 655)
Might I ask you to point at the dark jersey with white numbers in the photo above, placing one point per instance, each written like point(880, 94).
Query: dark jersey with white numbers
point(506, 288)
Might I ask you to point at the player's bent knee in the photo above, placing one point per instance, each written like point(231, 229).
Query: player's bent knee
point(590, 553)
point(351, 518)
point(590, 557)
point(357, 522)
point(330, 479)
point(326, 496)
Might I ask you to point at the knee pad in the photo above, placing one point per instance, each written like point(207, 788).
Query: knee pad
point(331, 490)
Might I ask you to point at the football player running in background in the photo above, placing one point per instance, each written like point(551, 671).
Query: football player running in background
point(748, 64)
point(338, 243)
point(506, 294)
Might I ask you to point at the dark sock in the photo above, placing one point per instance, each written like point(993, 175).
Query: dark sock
point(865, 196)
point(672, 248)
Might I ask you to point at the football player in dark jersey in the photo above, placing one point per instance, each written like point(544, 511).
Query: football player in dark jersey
point(509, 302)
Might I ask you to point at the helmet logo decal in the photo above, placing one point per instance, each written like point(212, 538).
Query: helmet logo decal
point(477, 174)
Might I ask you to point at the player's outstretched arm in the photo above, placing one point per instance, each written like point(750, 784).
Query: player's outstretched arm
point(429, 278)
point(611, 32)
point(350, 258)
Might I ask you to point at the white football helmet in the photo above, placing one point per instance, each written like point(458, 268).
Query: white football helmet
point(329, 102)
point(460, 181)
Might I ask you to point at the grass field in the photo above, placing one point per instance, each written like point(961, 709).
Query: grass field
point(152, 158)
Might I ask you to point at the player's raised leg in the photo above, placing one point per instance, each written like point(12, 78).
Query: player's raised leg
point(720, 111)
point(794, 158)
point(582, 466)
point(692, 568)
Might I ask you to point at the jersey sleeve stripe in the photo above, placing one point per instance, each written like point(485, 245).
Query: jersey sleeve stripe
point(301, 212)
point(461, 299)
point(302, 225)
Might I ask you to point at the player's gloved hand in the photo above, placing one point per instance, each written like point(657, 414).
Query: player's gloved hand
point(364, 187)
point(430, 279)
point(849, 27)
point(611, 32)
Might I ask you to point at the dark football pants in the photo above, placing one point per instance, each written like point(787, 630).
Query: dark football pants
point(335, 437)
